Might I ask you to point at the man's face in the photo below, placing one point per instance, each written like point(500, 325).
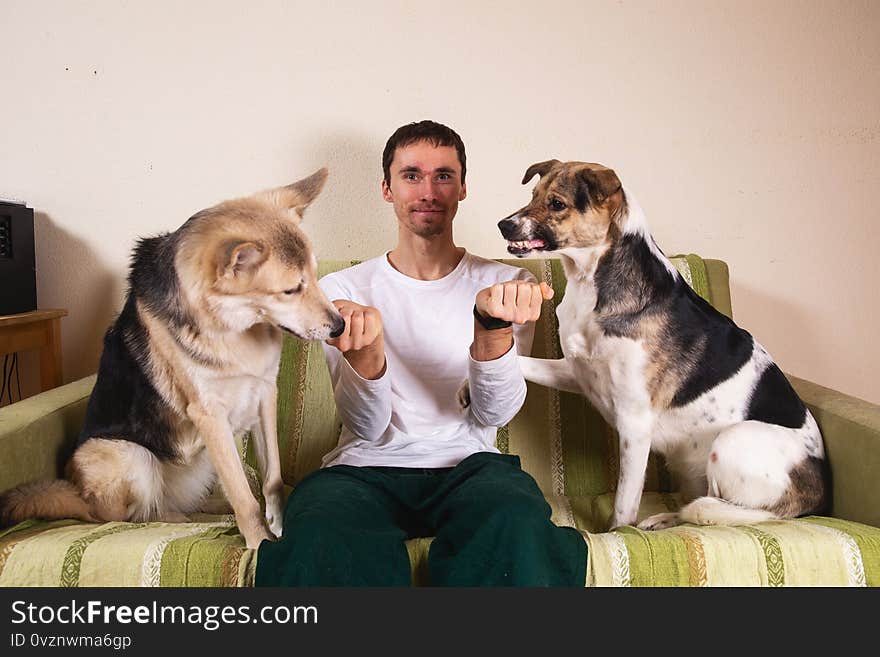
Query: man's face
point(425, 187)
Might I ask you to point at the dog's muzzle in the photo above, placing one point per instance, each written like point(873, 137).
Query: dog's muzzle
point(338, 327)
point(509, 228)
point(519, 242)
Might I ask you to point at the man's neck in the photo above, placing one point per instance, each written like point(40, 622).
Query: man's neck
point(425, 259)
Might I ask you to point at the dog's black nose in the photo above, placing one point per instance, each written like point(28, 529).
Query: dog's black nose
point(338, 326)
point(507, 227)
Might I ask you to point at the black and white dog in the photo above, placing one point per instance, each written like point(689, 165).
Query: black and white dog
point(662, 366)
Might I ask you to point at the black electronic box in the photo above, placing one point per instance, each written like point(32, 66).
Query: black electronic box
point(18, 271)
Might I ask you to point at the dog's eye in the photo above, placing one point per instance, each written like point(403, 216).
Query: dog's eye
point(294, 290)
point(556, 205)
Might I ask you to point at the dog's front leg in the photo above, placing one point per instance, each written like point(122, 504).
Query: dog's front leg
point(553, 373)
point(635, 446)
point(268, 459)
point(214, 429)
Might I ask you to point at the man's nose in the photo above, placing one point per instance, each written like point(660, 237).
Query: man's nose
point(428, 190)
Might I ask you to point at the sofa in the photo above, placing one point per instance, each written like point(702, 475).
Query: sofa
point(561, 440)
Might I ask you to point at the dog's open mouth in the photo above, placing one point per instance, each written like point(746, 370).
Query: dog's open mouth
point(523, 247)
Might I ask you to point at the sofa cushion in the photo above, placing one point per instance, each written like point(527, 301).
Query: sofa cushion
point(208, 552)
point(813, 551)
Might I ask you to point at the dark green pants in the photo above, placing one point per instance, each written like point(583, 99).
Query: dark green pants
point(346, 526)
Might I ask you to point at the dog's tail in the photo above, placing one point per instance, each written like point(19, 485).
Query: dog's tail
point(46, 499)
point(716, 511)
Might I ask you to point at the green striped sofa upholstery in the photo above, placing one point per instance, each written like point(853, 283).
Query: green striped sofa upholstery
point(561, 441)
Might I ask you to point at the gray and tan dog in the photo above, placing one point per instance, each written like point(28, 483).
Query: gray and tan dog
point(189, 365)
point(661, 365)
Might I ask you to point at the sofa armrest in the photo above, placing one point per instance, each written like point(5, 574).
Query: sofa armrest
point(36, 434)
point(851, 430)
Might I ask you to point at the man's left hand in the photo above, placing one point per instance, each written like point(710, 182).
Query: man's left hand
point(514, 301)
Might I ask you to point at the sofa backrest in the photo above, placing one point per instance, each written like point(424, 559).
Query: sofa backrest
point(561, 440)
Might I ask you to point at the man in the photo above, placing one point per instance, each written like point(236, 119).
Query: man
point(414, 458)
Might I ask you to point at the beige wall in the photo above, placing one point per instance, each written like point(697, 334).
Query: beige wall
point(748, 130)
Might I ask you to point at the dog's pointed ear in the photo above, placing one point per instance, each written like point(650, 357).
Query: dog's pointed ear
point(540, 168)
point(307, 190)
point(299, 195)
point(601, 183)
point(237, 257)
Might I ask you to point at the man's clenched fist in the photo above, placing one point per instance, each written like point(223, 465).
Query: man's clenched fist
point(515, 301)
point(362, 341)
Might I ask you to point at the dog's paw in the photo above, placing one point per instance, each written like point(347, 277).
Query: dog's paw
point(622, 520)
point(464, 394)
point(659, 521)
point(253, 539)
point(274, 508)
point(274, 521)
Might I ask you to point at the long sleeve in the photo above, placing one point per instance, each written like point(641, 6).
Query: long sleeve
point(497, 387)
point(364, 405)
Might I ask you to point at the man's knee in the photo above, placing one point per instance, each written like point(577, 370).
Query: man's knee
point(317, 549)
point(314, 527)
point(519, 513)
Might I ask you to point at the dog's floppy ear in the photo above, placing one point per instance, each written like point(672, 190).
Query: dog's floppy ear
point(239, 257)
point(297, 196)
point(601, 183)
point(540, 168)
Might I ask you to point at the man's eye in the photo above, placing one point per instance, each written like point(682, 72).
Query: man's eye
point(445, 177)
point(410, 176)
point(556, 205)
point(294, 290)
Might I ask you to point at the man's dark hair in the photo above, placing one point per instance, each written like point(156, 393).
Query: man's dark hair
point(436, 134)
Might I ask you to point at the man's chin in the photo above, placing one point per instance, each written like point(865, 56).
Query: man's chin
point(428, 234)
point(427, 229)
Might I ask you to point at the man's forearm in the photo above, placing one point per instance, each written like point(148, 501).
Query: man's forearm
point(364, 405)
point(368, 362)
point(497, 388)
point(489, 345)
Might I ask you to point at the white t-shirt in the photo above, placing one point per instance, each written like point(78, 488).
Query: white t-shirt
point(410, 416)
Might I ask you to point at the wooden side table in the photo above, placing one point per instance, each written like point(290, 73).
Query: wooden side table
point(38, 329)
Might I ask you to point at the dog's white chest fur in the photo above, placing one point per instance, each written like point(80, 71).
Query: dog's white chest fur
point(610, 370)
point(239, 390)
point(240, 398)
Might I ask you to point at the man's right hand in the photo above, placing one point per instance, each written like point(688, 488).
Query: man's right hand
point(362, 342)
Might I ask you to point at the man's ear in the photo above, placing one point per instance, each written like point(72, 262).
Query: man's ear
point(463, 195)
point(541, 168)
point(386, 192)
point(237, 258)
point(297, 196)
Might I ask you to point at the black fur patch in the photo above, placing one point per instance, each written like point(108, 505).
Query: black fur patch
point(774, 401)
point(719, 347)
point(124, 404)
point(154, 277)
point(629, 280)
point(809, 491)
point(632, 283)
point(581, 197)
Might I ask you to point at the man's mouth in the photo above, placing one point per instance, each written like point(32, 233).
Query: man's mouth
point(524, 247)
